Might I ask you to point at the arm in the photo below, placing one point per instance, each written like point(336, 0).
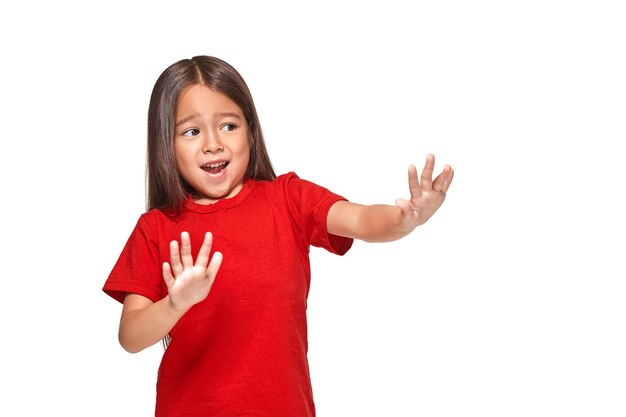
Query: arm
point(383, 223)
point(144, 322)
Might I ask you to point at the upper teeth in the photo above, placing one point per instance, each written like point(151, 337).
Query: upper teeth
point(216, 165)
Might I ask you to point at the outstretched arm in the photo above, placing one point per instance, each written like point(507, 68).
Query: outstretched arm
point(383, 223)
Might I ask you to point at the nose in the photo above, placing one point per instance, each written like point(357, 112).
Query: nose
point(212, 144)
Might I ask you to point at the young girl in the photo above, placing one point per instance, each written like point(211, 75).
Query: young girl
point(219, 263)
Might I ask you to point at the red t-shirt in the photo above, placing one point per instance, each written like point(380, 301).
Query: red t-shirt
point(242, 351)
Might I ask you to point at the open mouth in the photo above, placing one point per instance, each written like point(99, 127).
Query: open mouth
point(215, 168)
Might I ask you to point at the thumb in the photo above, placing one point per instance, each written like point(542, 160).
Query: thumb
point(404, 205)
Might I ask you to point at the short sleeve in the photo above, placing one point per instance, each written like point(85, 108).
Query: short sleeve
point(309, 204)
point(138, 269)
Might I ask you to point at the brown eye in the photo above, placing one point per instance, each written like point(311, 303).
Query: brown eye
point(229, 127)
point(191, 132)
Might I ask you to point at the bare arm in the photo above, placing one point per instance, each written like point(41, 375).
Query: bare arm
point(376, 223)
point(383, 223)
point(144, 322)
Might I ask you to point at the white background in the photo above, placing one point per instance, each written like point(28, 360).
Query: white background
point(509, 302)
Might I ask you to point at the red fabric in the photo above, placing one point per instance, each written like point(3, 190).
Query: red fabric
point(242, 351)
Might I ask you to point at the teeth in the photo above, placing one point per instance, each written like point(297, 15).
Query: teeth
point(215, 165)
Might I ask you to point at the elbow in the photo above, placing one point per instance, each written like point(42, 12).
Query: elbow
point(131, 349)
point(128, 344)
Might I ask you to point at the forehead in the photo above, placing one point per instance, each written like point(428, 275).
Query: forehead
point(199, 98)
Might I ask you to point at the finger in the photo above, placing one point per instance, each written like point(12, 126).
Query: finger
point(185, 250)
point(442, 178)
point(214, 266)
point(205, 250)
point(167, 275)
point(414, 184)
point(177, 267)
point(448, 181)
point(427, 173)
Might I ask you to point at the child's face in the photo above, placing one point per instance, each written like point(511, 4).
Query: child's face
point(210, 143)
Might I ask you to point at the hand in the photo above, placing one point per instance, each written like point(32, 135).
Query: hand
point(426, 195)
point(190, 283)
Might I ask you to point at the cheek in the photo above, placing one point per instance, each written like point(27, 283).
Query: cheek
point(246, 156)
point(182, 164)
point(181, 154)
point(243, 148)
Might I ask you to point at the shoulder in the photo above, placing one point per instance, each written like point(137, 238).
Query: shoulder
point(300, 192)
point(154, 219)
point(288, 185)
point(151, 217)
point(293, 180)
point(277, 185)
point(278, 181)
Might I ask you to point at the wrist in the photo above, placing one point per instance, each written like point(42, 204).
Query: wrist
point(173, 309)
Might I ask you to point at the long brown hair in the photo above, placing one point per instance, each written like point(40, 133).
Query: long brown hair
point(165, 188)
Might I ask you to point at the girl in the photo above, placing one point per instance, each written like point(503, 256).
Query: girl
point(219, 264)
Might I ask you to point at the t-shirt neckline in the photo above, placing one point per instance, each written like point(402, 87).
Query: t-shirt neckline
point(222, 204)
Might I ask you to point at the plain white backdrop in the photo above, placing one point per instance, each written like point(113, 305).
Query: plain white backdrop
point(509, 302)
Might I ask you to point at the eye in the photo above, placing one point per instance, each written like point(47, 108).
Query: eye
point(228, 127)
point(191, 132)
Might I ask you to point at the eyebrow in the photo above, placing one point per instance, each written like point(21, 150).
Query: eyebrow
point(217, 116)
point(227, 114)
point(186, 119)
